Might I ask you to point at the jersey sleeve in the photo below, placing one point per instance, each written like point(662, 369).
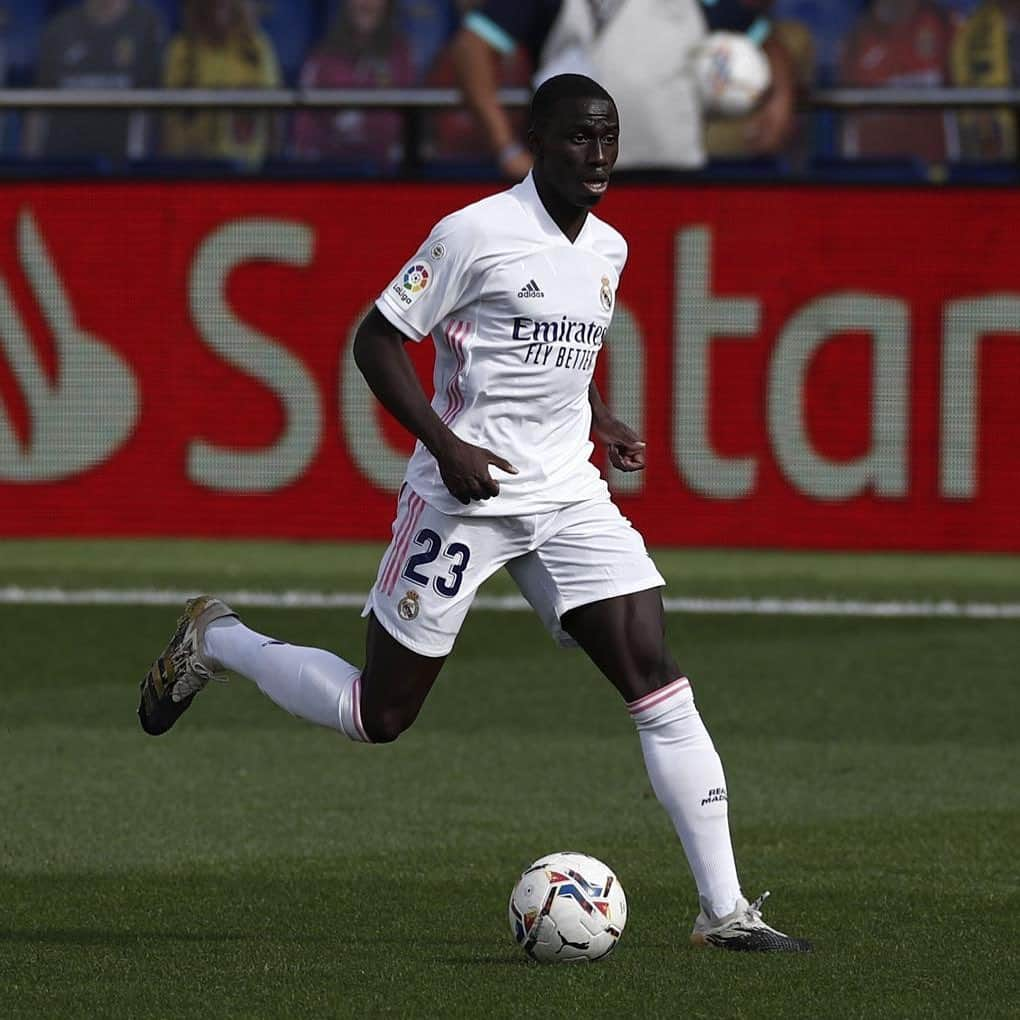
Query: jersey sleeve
point(444, 275)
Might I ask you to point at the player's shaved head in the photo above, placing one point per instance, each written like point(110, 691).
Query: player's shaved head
point(558, 88)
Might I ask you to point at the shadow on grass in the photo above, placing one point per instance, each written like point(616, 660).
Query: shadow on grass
point(261, 937)
point(302, 909)
point(94, 937)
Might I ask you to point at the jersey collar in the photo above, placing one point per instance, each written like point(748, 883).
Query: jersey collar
point(527, 194)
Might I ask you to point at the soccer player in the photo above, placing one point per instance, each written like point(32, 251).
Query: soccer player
point(517, 292)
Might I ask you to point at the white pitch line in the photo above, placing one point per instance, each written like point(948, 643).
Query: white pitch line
point(886, 608)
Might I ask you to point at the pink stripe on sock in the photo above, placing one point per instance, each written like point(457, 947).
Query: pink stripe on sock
point(356, 698)
point(657, 696)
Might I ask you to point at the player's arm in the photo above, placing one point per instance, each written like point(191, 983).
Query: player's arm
point(626, 448)
point(773, 124)
point(476, 62)
point(380, 356)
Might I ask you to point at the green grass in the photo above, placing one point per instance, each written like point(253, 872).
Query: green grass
point(330, 566)
point(249, 865)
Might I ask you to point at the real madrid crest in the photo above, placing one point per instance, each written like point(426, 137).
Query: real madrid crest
point(408, 606)
point(606, 294)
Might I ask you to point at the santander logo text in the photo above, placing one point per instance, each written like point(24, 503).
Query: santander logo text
point(86, 414)
point(831, 368)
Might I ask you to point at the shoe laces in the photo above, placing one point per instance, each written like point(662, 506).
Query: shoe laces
point(754, 909)
point(192, 673)
point(186, 661)
point(192, 680)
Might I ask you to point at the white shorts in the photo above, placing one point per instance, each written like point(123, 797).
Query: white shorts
point(427, 580)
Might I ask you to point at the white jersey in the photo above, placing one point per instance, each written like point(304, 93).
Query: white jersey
point(518, 314)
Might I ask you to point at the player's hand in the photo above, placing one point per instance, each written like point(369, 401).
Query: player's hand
point(465, 470)
point(626, 449)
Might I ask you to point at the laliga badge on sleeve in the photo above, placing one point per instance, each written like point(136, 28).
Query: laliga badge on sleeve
point(413, 282)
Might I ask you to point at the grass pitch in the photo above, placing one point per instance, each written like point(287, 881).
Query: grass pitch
point(249, 865)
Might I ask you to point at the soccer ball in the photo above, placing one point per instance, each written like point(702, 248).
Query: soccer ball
point(568, 907)
point(732, 74)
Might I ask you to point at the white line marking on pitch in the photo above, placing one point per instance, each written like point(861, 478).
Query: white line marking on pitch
point(15, 595)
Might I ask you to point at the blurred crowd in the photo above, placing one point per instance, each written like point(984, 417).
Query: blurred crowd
point(215, 44)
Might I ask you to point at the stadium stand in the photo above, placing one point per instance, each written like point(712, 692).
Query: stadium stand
point(837, 170)
point(427, 25)
point(21, 25)
point(362, 49)
point(828, 21)
point(171, 11)
point(296, 27)
point(293, 26)
point(759, 168)
point(1001, 173)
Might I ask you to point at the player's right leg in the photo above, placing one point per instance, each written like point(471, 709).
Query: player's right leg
point(180, 670)
point(374, 704)
point(426, 583)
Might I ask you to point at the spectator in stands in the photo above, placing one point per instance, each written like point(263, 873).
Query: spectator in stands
point(97, 44)
point(829, 22)
point(220, 47)
point(427, 25)
point(640, 52)
point(986, 54)
point(363, 49)
point(456, 134)
point(738, 137)
point(906, 43)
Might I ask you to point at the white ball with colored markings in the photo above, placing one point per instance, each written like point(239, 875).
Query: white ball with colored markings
point(568, 907)
point(731, 73)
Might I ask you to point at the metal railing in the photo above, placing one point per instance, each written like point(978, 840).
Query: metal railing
point(413, 103)
point(425, 99)
point(443, 98)
point(244, 99)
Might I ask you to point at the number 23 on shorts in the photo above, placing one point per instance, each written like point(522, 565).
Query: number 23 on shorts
point(456, 554)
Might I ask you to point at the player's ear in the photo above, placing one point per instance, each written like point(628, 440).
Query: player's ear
point(534, 141)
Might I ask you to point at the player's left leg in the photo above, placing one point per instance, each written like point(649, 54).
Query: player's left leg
point(594, 584)
point(625, 638)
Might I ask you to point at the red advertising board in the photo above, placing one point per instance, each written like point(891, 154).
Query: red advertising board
point(812, 368)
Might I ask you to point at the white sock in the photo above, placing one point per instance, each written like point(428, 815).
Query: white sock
point(308, 682)
point(687, 777)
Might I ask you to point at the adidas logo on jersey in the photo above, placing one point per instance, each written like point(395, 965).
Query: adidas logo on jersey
point(530, 289)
